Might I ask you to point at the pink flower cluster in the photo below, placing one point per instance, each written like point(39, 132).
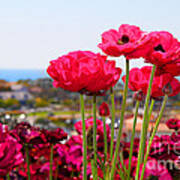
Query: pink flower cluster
point(90, 73)
point(68, 156)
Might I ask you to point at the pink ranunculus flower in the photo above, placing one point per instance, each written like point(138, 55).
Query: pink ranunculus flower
point(104, 109)
point(129, 41)
point(84, 72)
point(165, 49)
point(27, 134)
point(10, 153)
point(172, 67)
point(173, 124)
point(139, 81)
point(156, 170)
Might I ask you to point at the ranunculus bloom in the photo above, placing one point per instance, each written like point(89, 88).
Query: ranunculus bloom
point(104, 109)
point(54, 136)
point(156, 170)
point(89, 128)
point(26, 134)
point(38, 170)
point(10, 153)
point(164, 148)
point(173, 124)
point(129, 40)
point(139, 81)
point(84, 71)
point(172, 67)
point(164, 49)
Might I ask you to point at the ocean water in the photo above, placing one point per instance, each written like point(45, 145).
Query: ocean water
point(22, 74)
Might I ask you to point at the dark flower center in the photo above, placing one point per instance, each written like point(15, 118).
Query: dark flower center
point(123, 40)
point(159, 48)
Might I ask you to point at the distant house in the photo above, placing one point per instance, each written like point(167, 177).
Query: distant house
point(128, 126)
point(19, 95)
point(18, 88)
point(18, 92)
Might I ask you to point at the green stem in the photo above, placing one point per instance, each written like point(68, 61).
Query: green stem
point(105, 138)
point(94, 137)
point(144, 125)
point(124, 169)
point(132, 139)
point(8, 177)
point(121, 123)
point(28, 162)
point(51, 163)
point(84, 138)
point(153, 134)
point(105, 145)
point(150, 112)
point(112, 123)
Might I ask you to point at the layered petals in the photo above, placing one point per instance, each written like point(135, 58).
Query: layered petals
point(129, 41)
point(84, 71)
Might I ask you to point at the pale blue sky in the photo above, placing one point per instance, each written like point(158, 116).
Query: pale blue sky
point(33, 32)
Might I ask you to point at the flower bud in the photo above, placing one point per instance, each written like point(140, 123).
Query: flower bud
point(104, 109)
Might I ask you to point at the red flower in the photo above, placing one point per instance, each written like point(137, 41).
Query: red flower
point(89, 128)
point(10, 153)
point(139, 81)
point(164, 49)
point(84, 71)
point(172, 67)
point(154, 170)
point(173, 124)
point(104, 109)
point(129, 40)
point(54, 136)
point(26, 134)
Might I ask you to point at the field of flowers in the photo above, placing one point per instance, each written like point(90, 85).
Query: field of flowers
point(27, 152)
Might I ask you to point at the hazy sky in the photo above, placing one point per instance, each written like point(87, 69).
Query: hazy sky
point(33, 32)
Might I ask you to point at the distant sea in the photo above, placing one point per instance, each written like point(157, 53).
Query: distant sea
point(21, 74)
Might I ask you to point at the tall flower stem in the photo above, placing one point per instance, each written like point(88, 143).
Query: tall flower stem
point(112, 123)
point(149, 114)
point(84, 138)
point(51, 163)
point(94, 137)
point(8, 177)
point(132, 139)
point(121, 122)
point(27, 161)
point(105, 144)
point(153, 134)
point(105, 138)
point(144, 125)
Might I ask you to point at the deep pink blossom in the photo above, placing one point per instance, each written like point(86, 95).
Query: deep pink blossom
point(156, 170)
point(10, 153)
point(26, 134)
point(129, 41)
point(164, 50)
point(173, 124)
point(139, 81)
point(104, 109)
point(84, 71)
